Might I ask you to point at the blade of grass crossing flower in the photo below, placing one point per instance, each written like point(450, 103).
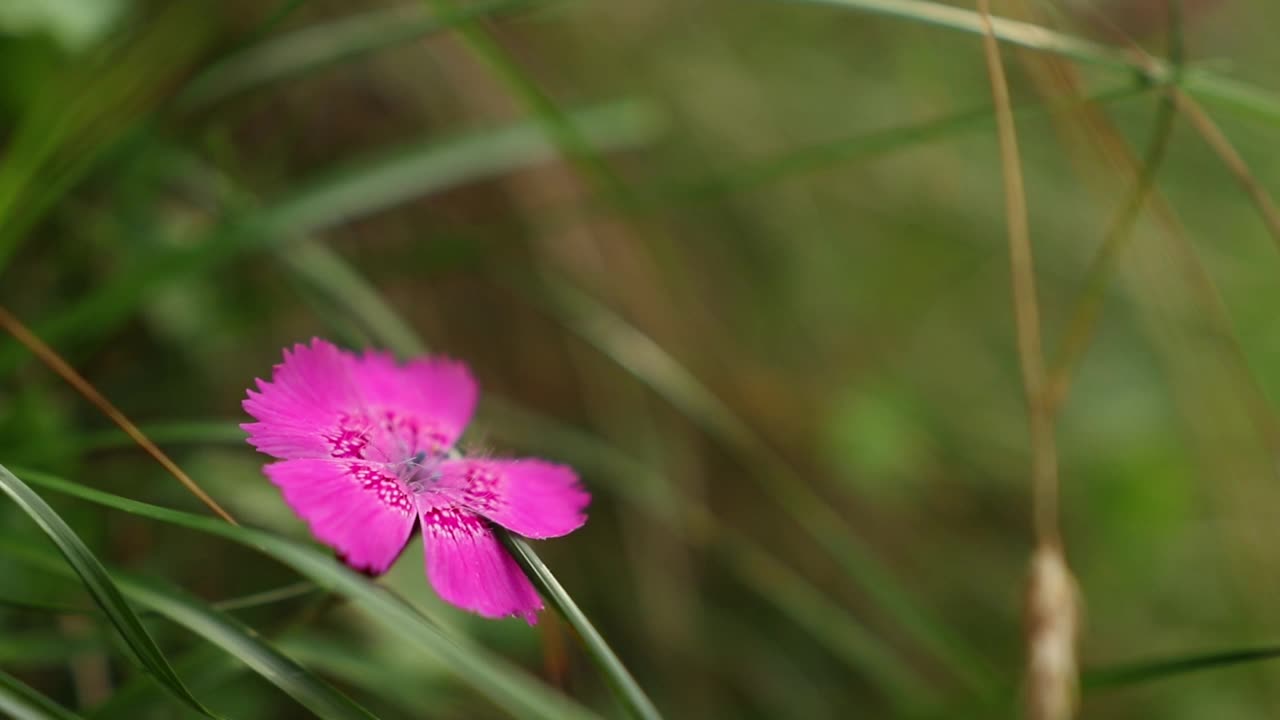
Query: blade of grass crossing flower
point(233, 637)
point(791, 594)
point(501, 683)
point(20, 702)
point(1202, 83)
point(638, 705)
point(100, 586)
point(846, 638)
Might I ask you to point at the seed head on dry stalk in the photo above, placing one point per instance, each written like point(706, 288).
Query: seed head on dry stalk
point(1052, 599)
point(1052, 625)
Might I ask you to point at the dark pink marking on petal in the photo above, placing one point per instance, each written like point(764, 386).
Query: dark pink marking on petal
point(424, 404)
point(358, 508)
point(531, 497)
point(469, 567)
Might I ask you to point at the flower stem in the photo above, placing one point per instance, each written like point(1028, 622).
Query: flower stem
point(638, 705)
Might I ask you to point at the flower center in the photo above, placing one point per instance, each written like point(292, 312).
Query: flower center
point(418, 475)
point(386, 435)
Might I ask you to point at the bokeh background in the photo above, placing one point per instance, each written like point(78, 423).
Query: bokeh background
point(742, 264)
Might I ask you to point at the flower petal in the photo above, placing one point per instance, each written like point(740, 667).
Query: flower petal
point(469, 567)
point(299, 410)
point(436, 394)
point(356, 507)
point(530, 497)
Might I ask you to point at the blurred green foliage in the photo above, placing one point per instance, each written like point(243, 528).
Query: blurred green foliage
point(742, 264)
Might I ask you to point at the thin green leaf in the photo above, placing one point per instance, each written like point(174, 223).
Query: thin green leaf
point(20, 702)
point(833, 627)
point(1143, 672)
point(633, 482)
point(504, 685)
point(235, 638)
point(1202, 83)
point(844, 635)
point(325, 44)
point(633, 698)
point(796, 161)
point(417, 170)
point(100, 586)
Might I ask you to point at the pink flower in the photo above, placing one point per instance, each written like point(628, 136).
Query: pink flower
point(366, 449)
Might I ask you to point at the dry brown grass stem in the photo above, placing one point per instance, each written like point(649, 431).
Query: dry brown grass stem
point(1234, 162)
point(1084, 317)
point(1052, 621)
point(54, 362)
point(1044, 463)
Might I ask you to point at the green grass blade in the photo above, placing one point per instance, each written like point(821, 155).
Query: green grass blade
point(100, 586)
point(235, 638)
point(1209, 86)
point(1143, 672)
point(20, 702)
point(810, 158)
point(638, 705)
point(417, 170)
point(502, 684)
point(847, 638)
point(326, 44)
point(633, 482)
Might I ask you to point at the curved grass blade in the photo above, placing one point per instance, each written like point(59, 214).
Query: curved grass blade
point(624, 685)
point(100, 587)
point(325, 44)
point(235, 638)
point(790, 593)
point(20, 702)
point(1208, 86)
point(812, 158)
point(833, 627)
point(502, 684)
point(1142, 672)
